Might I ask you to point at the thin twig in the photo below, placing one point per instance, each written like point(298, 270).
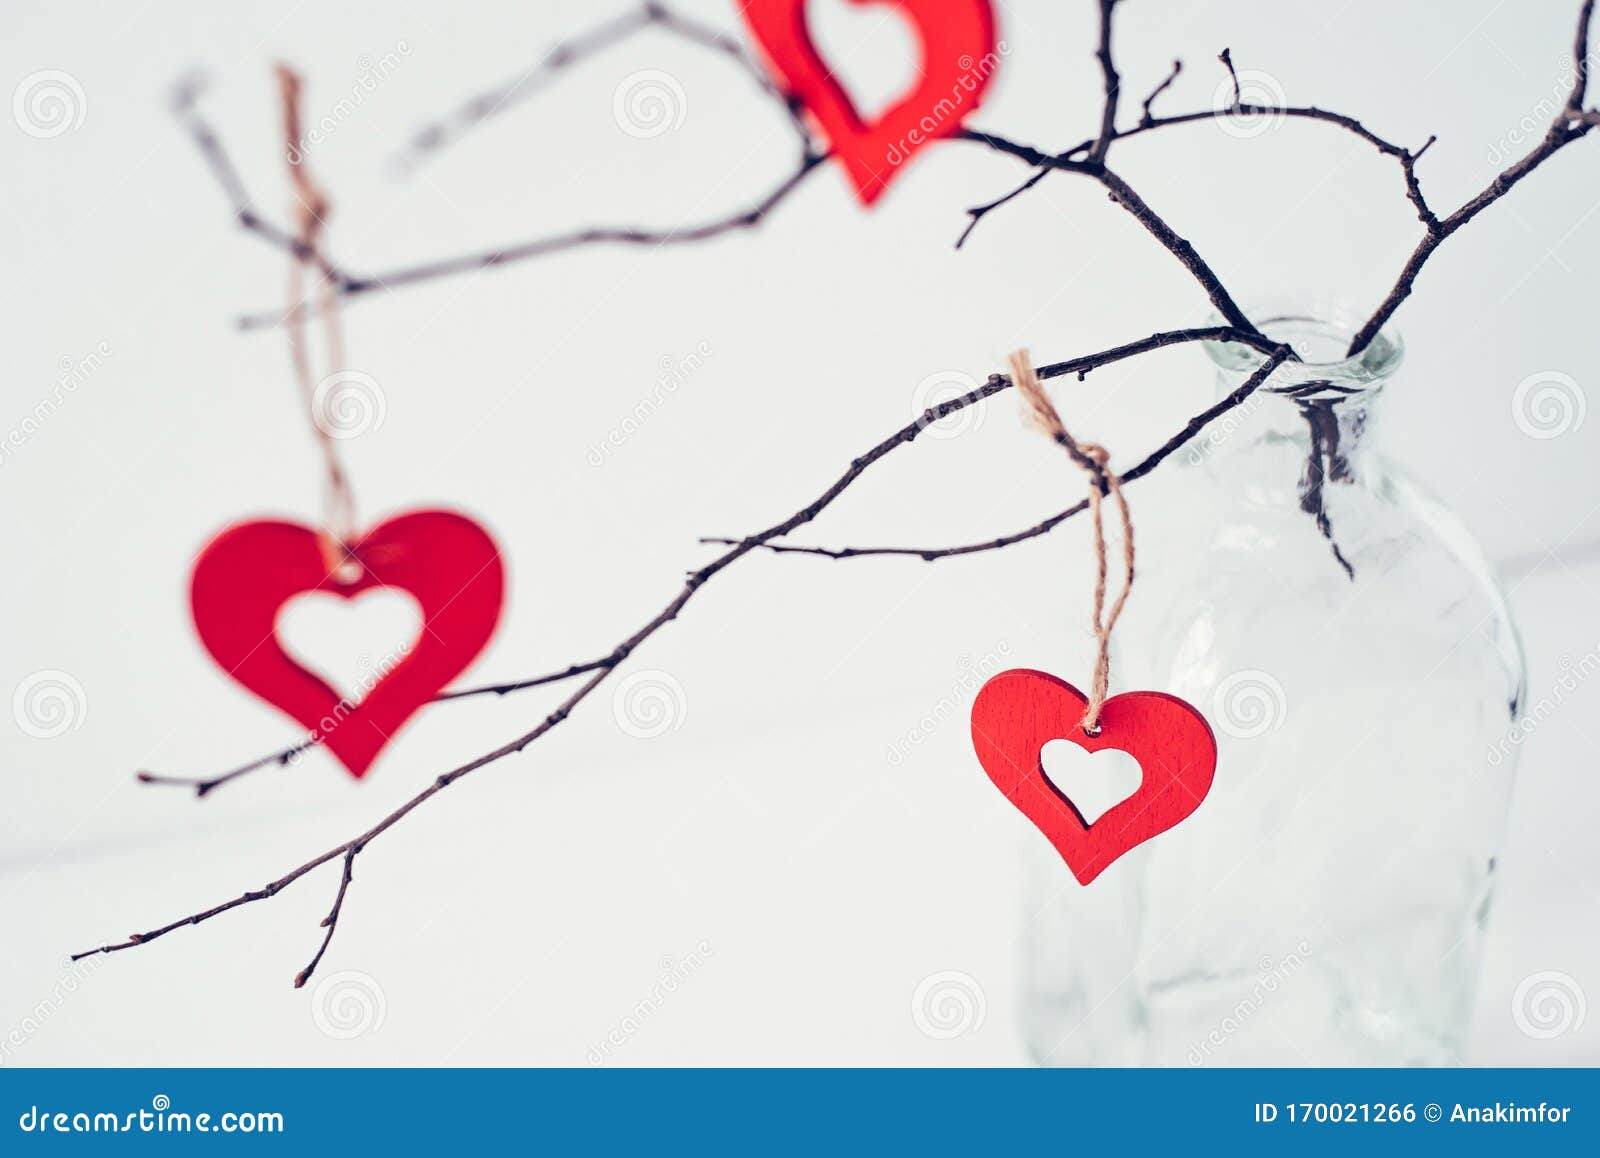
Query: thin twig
point(1570, 124)
point(698, 33)
point(978, 212)
point(1580, 63)
point(185, 98)
point(1573, 123)
point(1071, 160)
point(1147, 118)
point(1113, 86)
point(204, 785)
point(438, 135)
point(1408, 167)
point(1146, 465)
point(345, 284)
point(1226, 56)
point(1123, 194)
point(331, 921)
point(351, 286)
point(1088, 156)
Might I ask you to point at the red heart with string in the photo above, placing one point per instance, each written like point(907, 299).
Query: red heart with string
point(249, 572)
point(957, 39)
point(1018, 712)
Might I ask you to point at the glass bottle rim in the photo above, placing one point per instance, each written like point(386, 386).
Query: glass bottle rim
point(1320, 331)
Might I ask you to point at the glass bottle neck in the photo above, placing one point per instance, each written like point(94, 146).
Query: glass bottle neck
point(1308, 427)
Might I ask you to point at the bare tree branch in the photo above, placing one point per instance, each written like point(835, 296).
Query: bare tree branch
point(1087, 159)
point(1123, 194)
point(1155, 458)
point(331, 921)
point(1570, 124)
point(996, 383)
point(351, 286)
point(1071, 160)
point(204, 785)
point(1226, 56)
point(1113, 86)
point(439, 135)
point(185, 98)
point(1147, 118)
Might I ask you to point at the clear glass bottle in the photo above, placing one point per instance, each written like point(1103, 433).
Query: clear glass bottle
point(1346, 639)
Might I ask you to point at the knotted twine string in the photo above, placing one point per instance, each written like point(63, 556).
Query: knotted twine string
point(311, 211)
point(1042, 413)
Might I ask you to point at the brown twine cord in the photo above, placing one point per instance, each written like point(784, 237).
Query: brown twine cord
point(1042, 412)
point(311, 210)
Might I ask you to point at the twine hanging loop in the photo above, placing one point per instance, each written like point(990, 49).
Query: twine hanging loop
point(1092, 458)
point(311, 209)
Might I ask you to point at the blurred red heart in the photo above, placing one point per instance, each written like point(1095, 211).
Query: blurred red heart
point(958, 57)
point(1018, 712)
point(443, 560)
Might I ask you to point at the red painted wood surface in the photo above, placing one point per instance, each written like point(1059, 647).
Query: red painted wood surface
point(247, 573)
point(958, 56)
point(1018, 712)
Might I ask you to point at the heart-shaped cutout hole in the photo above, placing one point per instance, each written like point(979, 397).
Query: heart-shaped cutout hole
point(350, 643)
point(871, 48)
point(1095, 782)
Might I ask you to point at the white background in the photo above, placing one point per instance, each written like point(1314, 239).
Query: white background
point(523, 914)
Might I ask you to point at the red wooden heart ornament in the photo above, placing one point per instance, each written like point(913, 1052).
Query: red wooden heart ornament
point(447, 563)
point(958, 57)
point(1018, 712)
